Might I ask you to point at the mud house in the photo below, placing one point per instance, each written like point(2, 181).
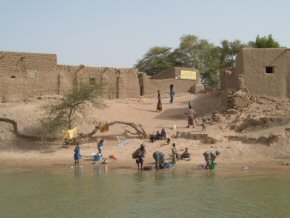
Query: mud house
point(183, 80)
point(261, 71)
point(25, 75)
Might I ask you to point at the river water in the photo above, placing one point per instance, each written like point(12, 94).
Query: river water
point(97, 192)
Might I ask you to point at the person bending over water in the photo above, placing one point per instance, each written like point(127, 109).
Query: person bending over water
point(209, 157)
point(159, 158)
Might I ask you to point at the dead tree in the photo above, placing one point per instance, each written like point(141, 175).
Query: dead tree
point(140, 132)
point(20, 135)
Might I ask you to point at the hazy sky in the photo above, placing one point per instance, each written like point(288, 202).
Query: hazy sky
point(116, 33)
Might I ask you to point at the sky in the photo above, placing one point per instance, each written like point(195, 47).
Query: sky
point(117, 33)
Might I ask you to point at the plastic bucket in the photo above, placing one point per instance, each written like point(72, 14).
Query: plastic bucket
point(213, 166)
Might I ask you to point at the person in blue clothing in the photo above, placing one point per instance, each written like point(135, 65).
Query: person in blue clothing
point(163, 134)
point(101, 146)
point(77, 154)
point(171, 93)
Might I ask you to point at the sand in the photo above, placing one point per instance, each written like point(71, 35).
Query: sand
point(22, 154)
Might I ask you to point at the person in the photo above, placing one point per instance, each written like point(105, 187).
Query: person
point(210, 157)
point(159, 104)
point(174, 153)
point(156, 137)
point(189, 104)
point(203, 128)
point(101, 146)
point(159, 158)
point(77, 154)
point(185, 154)
point(163, 134)
point(140, 155)
point(190, 117)
point(171, 93)
point(168, 141)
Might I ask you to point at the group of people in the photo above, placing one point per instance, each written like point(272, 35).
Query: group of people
point(209, 157)
point(159, 157)
point(159, 136)
point(78, 154)
point(171, 94)
point(191, 114)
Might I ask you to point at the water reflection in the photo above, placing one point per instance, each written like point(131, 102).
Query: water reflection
point(166, 193)
point(101, 169)
point(139, 177)
point(78, 171)
point(160, 177)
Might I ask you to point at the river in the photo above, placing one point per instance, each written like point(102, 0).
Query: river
point(97, 192)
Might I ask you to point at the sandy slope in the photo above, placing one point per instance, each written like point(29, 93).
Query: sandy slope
point(17, 153)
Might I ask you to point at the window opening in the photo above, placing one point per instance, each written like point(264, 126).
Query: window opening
point(269, 69)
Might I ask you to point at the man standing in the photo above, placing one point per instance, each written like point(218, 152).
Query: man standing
point(171, 93)
point(77, 154)
point(140, 154)
point(101, 146)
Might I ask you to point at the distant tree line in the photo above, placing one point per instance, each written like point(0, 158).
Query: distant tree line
point(200, 54)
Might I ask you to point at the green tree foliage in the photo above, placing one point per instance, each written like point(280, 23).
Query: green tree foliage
point(228, 51)
point(200, 54)
point(185, 55)
point(62, 114)
point(264, 42)
point(155, 60)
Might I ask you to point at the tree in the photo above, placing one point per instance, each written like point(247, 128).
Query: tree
point(185, 54)
point(264, 42)
point(155, 60)
point(200, 54)
point(228, 51)
point(62, 114)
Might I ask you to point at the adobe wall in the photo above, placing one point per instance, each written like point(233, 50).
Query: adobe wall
point(165, 74)
point(257, 81)
point(131, 85)
point(120, 83)
point(18, 63)
point(27, 74)
point(174, 72)
point(284, 62)
point(228, 79)
point(152, 85)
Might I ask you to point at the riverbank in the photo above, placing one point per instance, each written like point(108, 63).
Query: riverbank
point(238, 149)
point(62, 159)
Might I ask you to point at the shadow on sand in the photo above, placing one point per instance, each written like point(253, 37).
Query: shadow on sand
point(203, 104)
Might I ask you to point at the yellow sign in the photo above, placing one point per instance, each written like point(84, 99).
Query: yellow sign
point(188, 74)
